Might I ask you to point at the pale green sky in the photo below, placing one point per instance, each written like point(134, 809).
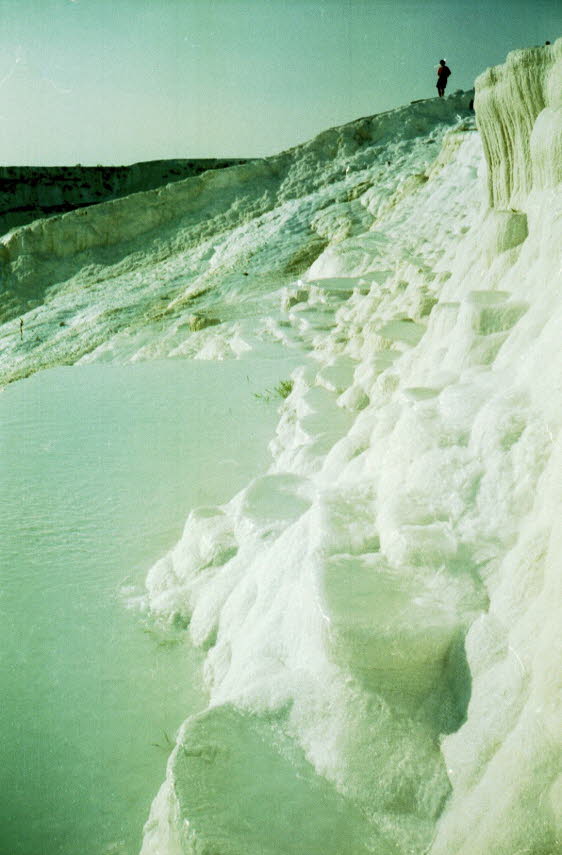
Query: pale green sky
point(117, 81)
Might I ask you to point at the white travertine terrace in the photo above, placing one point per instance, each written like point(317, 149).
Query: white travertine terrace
point(379, 610)
point(504, 763)
point(519, 115)
point(454, 465)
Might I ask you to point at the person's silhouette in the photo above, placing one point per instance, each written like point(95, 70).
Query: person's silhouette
point(443, 73)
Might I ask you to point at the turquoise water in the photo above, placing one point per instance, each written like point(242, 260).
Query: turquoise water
point(100, 466)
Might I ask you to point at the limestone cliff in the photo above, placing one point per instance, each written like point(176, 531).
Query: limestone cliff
point(28, 193)
point(519, 114)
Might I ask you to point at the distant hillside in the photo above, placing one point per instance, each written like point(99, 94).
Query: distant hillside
point(28, 193)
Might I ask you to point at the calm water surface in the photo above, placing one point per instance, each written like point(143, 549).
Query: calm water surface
point(99, 468)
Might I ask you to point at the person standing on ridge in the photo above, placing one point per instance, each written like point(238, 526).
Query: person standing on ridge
point(443, 73)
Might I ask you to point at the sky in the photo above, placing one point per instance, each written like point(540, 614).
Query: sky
point(121, 81)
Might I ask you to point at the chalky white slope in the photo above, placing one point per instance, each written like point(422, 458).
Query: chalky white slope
point(379, 608)
point(146, 276)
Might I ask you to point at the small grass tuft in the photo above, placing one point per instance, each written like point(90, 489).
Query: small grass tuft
point(282, 390)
